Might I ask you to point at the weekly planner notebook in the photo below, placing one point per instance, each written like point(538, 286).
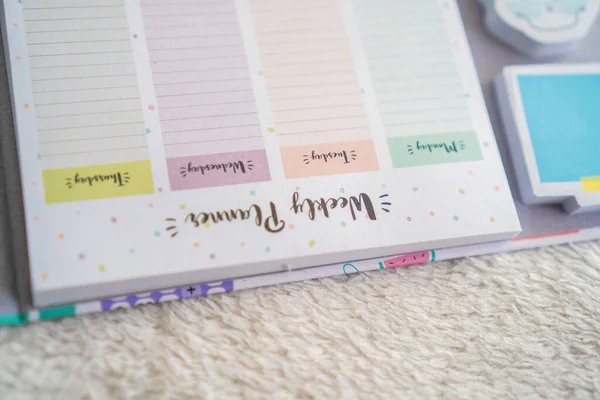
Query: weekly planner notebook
point(162, 143)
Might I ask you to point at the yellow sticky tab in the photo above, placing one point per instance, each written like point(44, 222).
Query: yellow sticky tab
point(591, 184)
point(97, 182)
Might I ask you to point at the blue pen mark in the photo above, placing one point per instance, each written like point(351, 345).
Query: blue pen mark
point(350, 266)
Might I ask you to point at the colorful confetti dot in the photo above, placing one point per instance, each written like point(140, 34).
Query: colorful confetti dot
point(212, 256)
point(362, 91)
point(182, 206)
point(81, 256)
point(15, 25)
point(207, 224)
point(39, 157)
point(342, 190)
point(44, 277)
point(196, 244)
point(156, 234)
point(291, 226)
point(252, 193)
point(486, 144)
point(36, 218)
point(259, 73)
point(492, 219)
point(467, 95)
point(455, 218)
point(383, 185)
point(61, 235)
point(470, 172)
point(497, 188)
point(113, 220)
point(34, 184)
point(151, 107)
point(342, 223)
point(18, 57)
point(101, 268)
point(432, 213)
point(415, 189)
point(297, 188)
point(271, 129)
point(159, 189)
point(150, 205)
point(462, 191)
point(132, 251)
point(311, 243)
point(135, 35)
point(408, 219)
point(242, 244)
point(268, 249)
point(148, 131)
point(25, 106)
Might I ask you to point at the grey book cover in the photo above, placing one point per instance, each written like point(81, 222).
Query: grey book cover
point(9, 303)
point(14, 266)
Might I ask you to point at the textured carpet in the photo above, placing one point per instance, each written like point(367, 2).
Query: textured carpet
point(516, 325)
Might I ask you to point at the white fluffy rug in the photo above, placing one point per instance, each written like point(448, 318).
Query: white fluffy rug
point(520, 325)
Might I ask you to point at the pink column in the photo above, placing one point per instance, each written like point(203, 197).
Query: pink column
point(206, 103)
point(313, 89)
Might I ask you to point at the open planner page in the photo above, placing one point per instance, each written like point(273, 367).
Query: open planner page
point(164, 143)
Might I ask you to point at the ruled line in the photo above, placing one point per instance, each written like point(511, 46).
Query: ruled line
point(213, 140)
point(94, 138)
point(210, 129)
point(94, 151)
point(93, 126)
point(207, 117)
point(95, 113)
point(82, 77)
point(324, 130)
point(205, 81)
point(319, 119)
point(81, 90)
point(428, 121)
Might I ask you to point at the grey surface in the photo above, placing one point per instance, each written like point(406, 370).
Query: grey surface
point(15, 218)
point(9, 303)
point(490, 56)
point(8, 293)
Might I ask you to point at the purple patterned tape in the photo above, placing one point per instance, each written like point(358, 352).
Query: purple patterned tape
point(166, 295)
point(137, 299)
point(207, 288)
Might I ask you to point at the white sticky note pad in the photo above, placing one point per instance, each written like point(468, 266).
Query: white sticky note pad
point(541, 28)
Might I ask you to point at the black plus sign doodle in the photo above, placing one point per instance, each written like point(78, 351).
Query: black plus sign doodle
point(191, 290)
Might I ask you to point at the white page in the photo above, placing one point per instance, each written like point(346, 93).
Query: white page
point(144, 126)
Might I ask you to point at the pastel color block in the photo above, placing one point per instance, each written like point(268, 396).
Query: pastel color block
point(591, 184)
point(422, 257)
point(57, 312)
point(13, 319)
point(97, 182)
point(218, 169)
point(329, 159)
point(563, 120)
point(416, 151)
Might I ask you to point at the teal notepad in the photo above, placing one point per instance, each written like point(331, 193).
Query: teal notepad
point(563, 117)
point(552, 117)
